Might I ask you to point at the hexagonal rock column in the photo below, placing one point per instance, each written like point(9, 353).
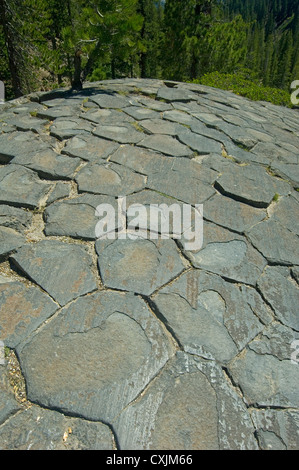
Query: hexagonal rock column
point(190, 407)
point(38, 429)
point(139, 265)
point(95, 356)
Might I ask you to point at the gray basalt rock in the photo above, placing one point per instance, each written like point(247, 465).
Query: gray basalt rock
point(45, 263)
point(39, 429)
point(22, 310)
point(149, 269)
point(187, 409)
point(106, 346)
point(21, 187)
point(152, 263)
point(109, 179)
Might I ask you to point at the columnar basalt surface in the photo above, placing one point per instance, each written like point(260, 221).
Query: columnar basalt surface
point(140, 341)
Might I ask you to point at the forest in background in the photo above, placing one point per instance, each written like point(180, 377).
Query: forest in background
point(248, 46)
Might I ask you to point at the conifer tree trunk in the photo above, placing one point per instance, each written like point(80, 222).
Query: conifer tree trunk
point(15, 63)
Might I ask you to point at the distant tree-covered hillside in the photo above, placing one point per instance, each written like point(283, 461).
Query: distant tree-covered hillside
point(51, 43)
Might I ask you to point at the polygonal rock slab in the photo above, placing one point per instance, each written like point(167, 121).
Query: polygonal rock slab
point(165, 144)
point(211, 317)
point(109, 179)
point(21, 187)
point(139, 159)
point(159, 126)
point(139, 113)
point(276, 243)
point(89, 147)
point(250, 184)
point(65, 128)
point(63, 270)
point(76, 217)
point(175, 94)
point(22, 310)
point(190, 406)
point(19, 143)
point(123, 133)
point(8, 403)
point(138, 265)
point(96, 356)
point(227, 254)
point(286, 212)
point(39, 429)
point(181, 185)
point(232, 214)
point(282, 293)
point(15, 218)
point(265, 380)
point(201, 144)
point(106, 116)
point(10, 240)
point(276, 429)
point(110, 100)
point(49, 164)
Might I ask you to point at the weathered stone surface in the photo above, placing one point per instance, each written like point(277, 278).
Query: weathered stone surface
point(187, 409)
point(180, 117)
point(286, 212)
point(276, 340)
point(89, 148)
point(232, 214)
point(39, 429)
point(141, 160)
point(65, 128)
point(227, 254)
point(26, 123)
point(19, 144)
point(49, 164)
point(60, 190)
point(175, 94)
point(166, 145)
point(45, 263)
point(109, 179)
point(123, 133)
point(10, 240)
point(249, 184)
point(152, 263)
point(55, 112)
point(266, 381)
point(106, 346)
point(210, 317)
point(287, 171)
point(199, 143)
point(277, 429)
point(178, 334)
point(76, 217)
point(139, 113)
point(274, 242)
point(21, 187)
point(14, 218)
point(8, 403)
point(282, 294)
point(22, 310)
point(171, 183)
point(110, 101)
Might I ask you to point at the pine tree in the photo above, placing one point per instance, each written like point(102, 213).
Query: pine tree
point(10, 23)
point(151, 36)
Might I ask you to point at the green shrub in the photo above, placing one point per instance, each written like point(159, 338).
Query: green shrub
point(245, 84)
